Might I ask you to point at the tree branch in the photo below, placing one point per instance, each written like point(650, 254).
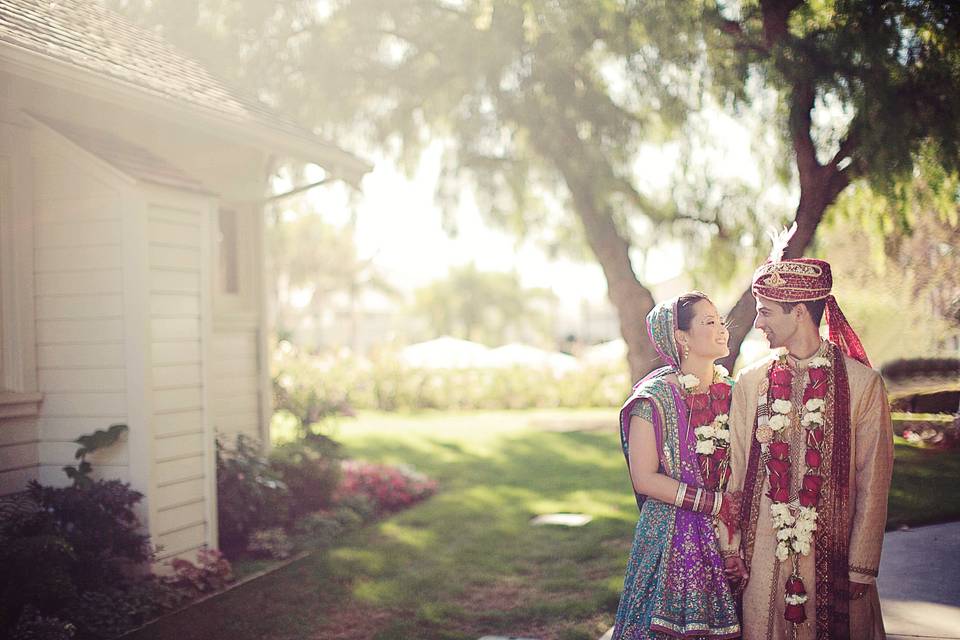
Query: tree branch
point(776, 16)
point(801, 123)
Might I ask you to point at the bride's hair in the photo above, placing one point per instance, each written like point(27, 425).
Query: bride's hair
point(685, 304)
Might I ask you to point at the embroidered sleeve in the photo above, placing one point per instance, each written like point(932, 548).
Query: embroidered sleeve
point(865, 571)
point(642, 409)
point(873, 460)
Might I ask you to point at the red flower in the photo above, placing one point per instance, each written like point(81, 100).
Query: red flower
point(808, 498)
point(815, 437)
point(795, 587)
point(812, 483)
point(813, 458)
point(698, 401)
point(719, 454)
point(720, 405)
point(780, 494)
point(795, 613)
point(778, 467)
point(781, 376)
point(818, 391)
point(719, 390)
point(780, 392)
point(818, 375)
point(701, 417)
point(780, 449)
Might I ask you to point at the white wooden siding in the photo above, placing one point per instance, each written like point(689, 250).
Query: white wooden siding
point(78, 304)
point(18, 453)
point(182, 502)
point(235, 387)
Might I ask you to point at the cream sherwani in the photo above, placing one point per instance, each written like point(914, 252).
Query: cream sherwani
point(870, 469)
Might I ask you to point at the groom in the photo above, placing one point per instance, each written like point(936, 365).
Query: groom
point(812, 451)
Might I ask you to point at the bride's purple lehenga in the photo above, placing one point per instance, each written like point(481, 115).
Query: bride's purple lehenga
point(675, 584)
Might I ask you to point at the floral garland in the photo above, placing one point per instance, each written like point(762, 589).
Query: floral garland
point(794, 520)
point(710, 417)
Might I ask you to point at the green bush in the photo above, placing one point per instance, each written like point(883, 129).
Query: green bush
point(112, 611)
point(35, 626)
point(310, 469)
point(321, 528)
point(271, 543)
point(70, 558)
point(250, 494)
point(99, 525)
point(314, 388)
point(925, 367)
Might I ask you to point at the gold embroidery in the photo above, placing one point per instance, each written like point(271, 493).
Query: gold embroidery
point(774, 280)
point(864, 571)
point(794, 268)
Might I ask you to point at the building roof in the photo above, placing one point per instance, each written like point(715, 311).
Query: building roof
point(85, 35)
point(131, 159)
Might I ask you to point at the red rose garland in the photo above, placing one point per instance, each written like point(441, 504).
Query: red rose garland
point(709, 417)
point(795, 526)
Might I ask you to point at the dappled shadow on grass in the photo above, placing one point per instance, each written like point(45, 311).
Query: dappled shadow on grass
point(466, 562)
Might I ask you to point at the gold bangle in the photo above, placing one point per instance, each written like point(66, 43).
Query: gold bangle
point(697, 501)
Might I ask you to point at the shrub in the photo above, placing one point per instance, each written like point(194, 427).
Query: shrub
point(37, 564)
point(360, 503)
point(310, 388)
point(314, 388)
point(69, 557)
point(310, 469)
point(348, 518)
point(35, 626)
point(211, 572)
point(250, 495)
point(389, 488)
point(99, 525)
point(913, 367)
point(271, 543)
point(110, 612)
point(322, 528)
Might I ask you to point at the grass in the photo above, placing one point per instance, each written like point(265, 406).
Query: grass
point(467, 563)
point(924, 487)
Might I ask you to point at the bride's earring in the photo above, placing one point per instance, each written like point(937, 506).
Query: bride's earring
point(686, 351)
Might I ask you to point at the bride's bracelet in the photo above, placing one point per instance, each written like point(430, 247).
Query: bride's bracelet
point(681, 492)
point(717, 503)
point(698, 499)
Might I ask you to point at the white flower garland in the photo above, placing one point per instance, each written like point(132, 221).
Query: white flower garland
point(688, 381)
point(795, 524)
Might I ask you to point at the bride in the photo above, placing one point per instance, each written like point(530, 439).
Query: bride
point(675, 438)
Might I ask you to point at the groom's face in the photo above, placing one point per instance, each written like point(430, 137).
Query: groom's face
point(777, 324)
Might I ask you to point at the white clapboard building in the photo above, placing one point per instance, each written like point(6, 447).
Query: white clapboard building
point(132, 192)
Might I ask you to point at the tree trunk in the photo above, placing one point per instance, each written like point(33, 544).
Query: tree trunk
point(630, 298)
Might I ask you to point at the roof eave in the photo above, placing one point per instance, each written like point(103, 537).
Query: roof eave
point(35, 66)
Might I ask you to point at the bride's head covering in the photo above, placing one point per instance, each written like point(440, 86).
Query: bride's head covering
point(662, 325)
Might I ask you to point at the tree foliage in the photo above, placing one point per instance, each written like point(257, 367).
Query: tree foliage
point(544, 107)
point(489, 307)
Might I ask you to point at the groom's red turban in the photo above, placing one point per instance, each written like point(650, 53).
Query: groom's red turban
point(806, 280)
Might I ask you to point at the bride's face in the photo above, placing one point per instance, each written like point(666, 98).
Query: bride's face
point(708, 335)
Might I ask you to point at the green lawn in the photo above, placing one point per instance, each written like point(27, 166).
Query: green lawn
point(467, 563)
point(924, 488)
